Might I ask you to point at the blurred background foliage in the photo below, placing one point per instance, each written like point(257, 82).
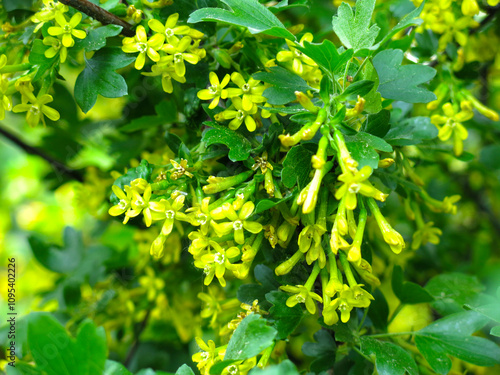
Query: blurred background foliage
point(150, 309)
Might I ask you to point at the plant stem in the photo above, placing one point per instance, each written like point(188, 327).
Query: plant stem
point(391, 334)
point(59, 167)
point(100, 15)
point(15, 68)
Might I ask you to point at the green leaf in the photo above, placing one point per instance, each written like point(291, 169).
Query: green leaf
point(92, 348)
point(372, 140)
point(363, 153)
point(453, 290)
point(284, 368)
point(409, 20)
point(401, 82)
point(495, 331)
point(184, 370)
point(99, 77)
point(61, 260)
point(250, 14)
point(323, 351)
point(51, 347)
point(96, 38)
point(451, 336)
point(37, 57)
point(239, 146)
point(250, 338)
point(115, 368)
point(406, 291)
point(373, 99)
point(360, 88)
point(166, 114)
point(390, 359)
point(353, 29)
point(491, 310)
point(285, 84)
point(379, 310)
point(285, 318)
point(326, 56)
point(411, 131)
point(296, 167)
point(23, 368)
point(266, 204)
point(378, 123)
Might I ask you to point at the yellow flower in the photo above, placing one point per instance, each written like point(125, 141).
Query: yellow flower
point(452, 125)
point(56, 47)
point(207, 357)
point(5, 100)
point(37, 109)
point(152, 283)
point(251, 91)
point(125, 201)
point(357, 183)
point(295, 56)
point(67, 29)
point(216, 263)
point(470, 7)
point(180, 169)
point(262, 163)
point(164, 210)
point(214, 92)
point(170, 29)
point(237, 222)
point(238, 115)
point(310, 244)
point(426, 234)
point(301, 295)
point(140, 43)
point(177, 53)
point(49, 11)
point(166, 70)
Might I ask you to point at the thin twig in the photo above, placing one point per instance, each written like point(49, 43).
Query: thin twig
point(101, 15)
point(57, 165)
point(137, 335)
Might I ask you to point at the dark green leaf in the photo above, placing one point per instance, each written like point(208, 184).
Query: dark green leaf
point(166, 114)
point(285, 318)
point(360, 88)
point(378, 123)
point(96, 38)
point(453, 290)
point(115, 368)
point(250, 14)
point(323, 351)
point(401, 82)
point(61, 260)
point(239, 146)
point(363, 153)
point(379, 310)
point(406, 291)
point(390, 359)
point(326, 56)
point(284, 368)
point(409, 20)
point(451, 336)
point(373, 99)
point(250, 338)
point(184, 370)
point(371, 140)
point(296, 167)
point(411, 131)
point(284, 82)
point(353, 29)
point(99, 77)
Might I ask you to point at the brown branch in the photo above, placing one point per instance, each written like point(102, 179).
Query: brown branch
point(99, 14)
point(58, 167)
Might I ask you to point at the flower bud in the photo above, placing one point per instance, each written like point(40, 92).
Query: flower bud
point(385, 163)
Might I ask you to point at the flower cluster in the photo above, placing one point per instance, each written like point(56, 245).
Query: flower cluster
point(170, 47)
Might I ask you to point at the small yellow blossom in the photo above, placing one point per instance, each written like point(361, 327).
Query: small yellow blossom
point(295, 56)
point(250, 91)
point(178, 52)
point(170, 29)
point(301, 295)
point(237, 222)
point(451, 124)
point(36, 109)
point(140, 43)
point(214, 92)
point(238, 115)
point(67, 29)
